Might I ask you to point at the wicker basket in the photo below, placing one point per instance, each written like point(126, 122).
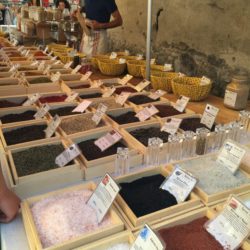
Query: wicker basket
point(134, 67)
point(111, 67)
point(153, 67)
point(65, 57)
point(190, 87)
point(94, 60)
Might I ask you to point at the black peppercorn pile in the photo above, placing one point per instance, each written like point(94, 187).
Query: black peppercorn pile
point(25, 116)
point(141, 99)
point(63, 111)
point(89, 96)
point(165, 110)
point(128, 117)
point(192, 124)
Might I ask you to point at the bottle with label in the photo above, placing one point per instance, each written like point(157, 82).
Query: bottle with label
point(237, 91)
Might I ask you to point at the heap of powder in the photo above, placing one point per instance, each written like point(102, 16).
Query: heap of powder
point(39, 53)
point(37, 159)
point(25, 116)
point(7, 104)
point(143, 134)
point(92, 152)
point(13, 54)
point(128, 117)
point(110, 84)
point(167, 110)
point(4, 69)
point(144, 196)
point(110, 103)
point(118, 91)
point(55, 98)
point(120, 246)
point(212, 176)
point(63, 111)
point(79, 123)
point(41, 79)
point(191, 236)
point(83, 86)
point(63, 217)
point(141, 99)
point(88, 96)
point(192, 124)
point(32, 73)
point(27, 68)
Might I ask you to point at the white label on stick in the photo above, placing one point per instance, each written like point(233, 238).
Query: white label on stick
point(20, 48)
point(53, 125)
point(157, 94)
point(96, 84)
point(76, 69)
point(230, 98)
point(42, 111)
point(147, 240)
point(46, 49)
point(180, 184)
point(168, 67)
point(72, 97)
point(142, 85)
point(86, 76)
point(146, 113)
point(209, 116)
point(231, 156)
point(56, 77)
point(41, 66)
point(181, 103)
point(34, 63)
point(122, 60)
point(103, 197)
point(67, 155)
point(101, 110)
point(82, 106)
point(32, 99)
point(152, 61)
point(113, 55)
point(47, 69)
point(139, 57)
point(67, 65)
point(232, 226)
point(108, 140)
point(122, 98)
point(171, 125)
point(109, 92)
point(205, 81)
point(125, 79)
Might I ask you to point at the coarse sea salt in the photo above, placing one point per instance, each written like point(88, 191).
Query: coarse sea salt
point(65, 216)
point(121, 246)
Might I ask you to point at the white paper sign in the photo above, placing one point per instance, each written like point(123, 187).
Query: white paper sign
point(34, 63)
point(56, 62)
point(56, 77)
point(96, 84)
point(76, 69)
point(146, 113)
point(142, 85)
point(101, 110)
point(232, 226)
point(47, 69)
point(209, 116)
point(113, 55)
point(180, 184)
point(23, 52)
point(126, 51)
point(109, 92)
point(168, 67)
point(122, 98)
point(20, 48)
point(108, 140)
point(181, 74)
point(67, 155)
point(82, 106)
point(125, 79)
point(157, 94)
point(147, 240)
point(32, 99)
point(231, 156)
point(53, 125)
point(171, 125)
point(139, 57)
point(72, 97)
point(205, 81)
point(42, 111)
point(181, 103)
point(152, 61)
point(27, 52)
point(46, 49)
point(230, 98)
point(86, 76)
point(122, 60)
point(54, 58)
point(41, 66)
point(103, 197)
point(67, 65)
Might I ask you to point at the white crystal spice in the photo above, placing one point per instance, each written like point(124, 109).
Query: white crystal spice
point(120, 246)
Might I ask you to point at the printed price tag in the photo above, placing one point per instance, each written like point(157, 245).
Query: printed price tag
point(54, 58)
point(27, 52)
point(171, 125)
point(139, 57)
point(42, 111)
point(230, 98)
point(147, 240)
point(96, 84)
point(46, 49)
point(67, 155)
point(20, 48)
point(127, 53)
point(34, 63)
point(41, 66)
point(32, 99)
point(101, 110)
point(72, 97)
point(142, 85)
point(53, 125)
point(13, 69)
point(205, 81)
point(181, 74)
point(109, 92)
point(15, 42)
point(152, 61)
point(232, 226)
point(23, 52)
point(180, 184)
point(231, 156)
point(122, 98)
point(47, 69)
point(82, 106)
point(146, 113)
point(103, 197)
point(108, 140)
point(113, 55)
point(125, 79)
point(181, 103)
point(67, 65)
point(57, 62)
point(157, 94)
point(76, 69)
point(50, 53)
point(122, 61)
point(31, 57)
point(209, 116)
point(56, 77)
point(168, 67)
point(86, 76)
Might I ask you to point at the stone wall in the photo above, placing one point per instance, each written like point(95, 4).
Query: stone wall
point(199, 37)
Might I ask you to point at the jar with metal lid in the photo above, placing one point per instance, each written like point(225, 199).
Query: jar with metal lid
point(236, 94)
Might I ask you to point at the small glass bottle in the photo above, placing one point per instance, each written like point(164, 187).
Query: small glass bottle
point(122, 161)
point(153, 151)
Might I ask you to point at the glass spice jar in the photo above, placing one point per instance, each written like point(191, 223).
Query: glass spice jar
point(236, 94)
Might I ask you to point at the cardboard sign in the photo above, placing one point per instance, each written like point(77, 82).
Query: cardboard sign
point(209, 116)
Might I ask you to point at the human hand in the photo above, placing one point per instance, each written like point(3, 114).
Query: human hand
point(94, 25)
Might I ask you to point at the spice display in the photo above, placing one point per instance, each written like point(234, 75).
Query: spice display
point(89, 96)
point(120, 246)
point(167, 110)
point(212, 176)
point(192, 124)
point(13, 54)
point(54, 98)
point(82, 86)
point(127, 117)
point(63, 111)
point(23, 68)
point(141, 99)
point(79, 123)
point(189, 236)
point(110, 103)
point(65, 216)
point(144, 196)
point(92, 152)
point(118, 91)
point(4, 69)
point(39, 53)
point(25, 134)
point(33, 73)
point(41, 79)
point(8, 104)
point(143, 134)
point(110, 84)
point(37, 159)
point(24, 116)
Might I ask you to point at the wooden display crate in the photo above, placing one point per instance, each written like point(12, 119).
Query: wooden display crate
point(88, 91)
point(61, 70)
point(33, 73)
point(50, 94)
point(61, 105)
point(99, 167)
point(4, 69)
point(75, 85)
point(135, 222)
point(11, 86)
point(71, 77)
point(19, 99)
point(5, 74)
point(32, 233)
point(28, 67)
point(59, 65)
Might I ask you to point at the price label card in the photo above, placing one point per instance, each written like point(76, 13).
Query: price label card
point(101, 110)
point(56, 77)
point(157, 94)
point(171, 125)
point(15, 42)
point(146, 113)
point(127, 53)
point(147, 240)
point(42, 111)
point(181, 103)
point(168, 67)
point(209, 116)
point(125, 79)
point(108, 140)
point(139, 57)
point(23, 52)
point(152, 61)
point(113, 55)
point(231, 155)
point(54, 58)
point(86, 76)
point(12, 69)
point(27, 52)
point(67, 155)
point(76, 69)
point(47, 69)
point(122, 61)
point(96, 84)
point(109, 92)
point(31, 58)
point(205, 81)
point(57, 62)
point(122, 98)
point(50, 53)
point(20, 48)
point(32, 99)
point(34, 63)
point(232, 226)
point(82, 106)
point(181, 74)
point(72, 97)
point(230, 98)
point(46, 49)
point(53, 125)
point(41, 66)
point(103, 197)
point(67, 65)
point(180, 184)
point(142, 85)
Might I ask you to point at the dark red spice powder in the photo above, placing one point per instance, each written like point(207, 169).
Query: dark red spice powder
point(167, 110)
point(55, 98)
point(39, 53)
point(118, 91)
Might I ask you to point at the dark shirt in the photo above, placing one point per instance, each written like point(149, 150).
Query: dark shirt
point(100, 10)
point(2, 16)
